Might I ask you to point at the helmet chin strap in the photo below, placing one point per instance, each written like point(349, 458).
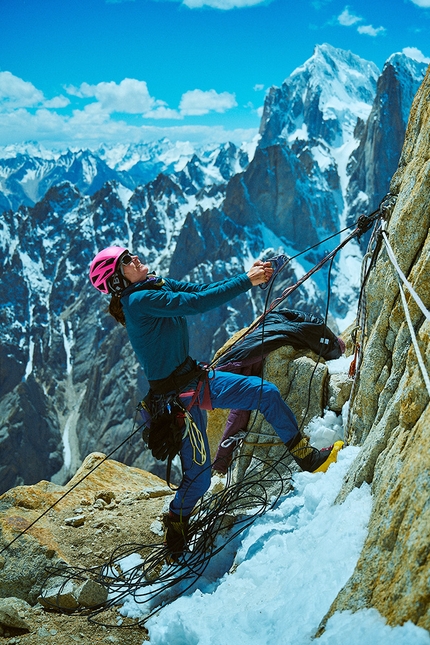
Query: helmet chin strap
point(117, 283)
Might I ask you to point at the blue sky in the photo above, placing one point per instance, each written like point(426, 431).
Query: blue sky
point(82, 72)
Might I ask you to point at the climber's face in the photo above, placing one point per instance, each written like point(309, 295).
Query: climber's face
point(133, 269)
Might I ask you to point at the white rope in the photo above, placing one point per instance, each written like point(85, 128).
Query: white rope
point(414, 340)
point(405, 281)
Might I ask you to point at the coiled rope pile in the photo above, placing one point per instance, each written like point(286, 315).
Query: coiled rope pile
point(217, 521)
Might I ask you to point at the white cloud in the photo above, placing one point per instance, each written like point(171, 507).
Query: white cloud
point(224, 5)
point(16, 93)
point(56, 102)
point(347, 19)
point(258, 87)
point(368, 30)
point(416, 54)
point(91, 127)
point(163, 112)
point(422, 3)
point(73, 91)
point(198, 102)
point(130, 96)
point(25, 114)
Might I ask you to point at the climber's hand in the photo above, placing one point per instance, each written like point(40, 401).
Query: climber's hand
point(260, 272)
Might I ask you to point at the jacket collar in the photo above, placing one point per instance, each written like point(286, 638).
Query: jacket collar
point(151, 282)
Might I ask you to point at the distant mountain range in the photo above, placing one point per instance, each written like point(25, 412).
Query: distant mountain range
point(330, 139)
point(28, 171)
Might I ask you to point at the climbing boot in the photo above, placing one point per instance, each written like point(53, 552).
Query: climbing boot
point(176, 534)
point(309, 458)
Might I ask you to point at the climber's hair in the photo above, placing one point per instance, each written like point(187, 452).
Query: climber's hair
point(115, 310)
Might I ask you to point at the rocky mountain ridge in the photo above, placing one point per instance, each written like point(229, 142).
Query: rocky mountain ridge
point(56, 405)
point(390, 412)
point(28, 172)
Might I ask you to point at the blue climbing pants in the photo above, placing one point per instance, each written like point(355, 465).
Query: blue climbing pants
point(228, 391)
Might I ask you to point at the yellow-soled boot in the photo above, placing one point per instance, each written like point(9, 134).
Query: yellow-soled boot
point(309, 458)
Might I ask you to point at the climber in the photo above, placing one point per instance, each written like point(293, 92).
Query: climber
point(152, 309)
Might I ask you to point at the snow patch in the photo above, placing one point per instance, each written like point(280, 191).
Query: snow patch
point(124, 194)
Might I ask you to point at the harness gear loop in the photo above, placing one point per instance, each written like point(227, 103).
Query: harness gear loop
point(205, 403)
point(164, 427)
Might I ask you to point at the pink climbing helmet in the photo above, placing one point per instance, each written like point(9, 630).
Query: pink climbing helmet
point(103, 270)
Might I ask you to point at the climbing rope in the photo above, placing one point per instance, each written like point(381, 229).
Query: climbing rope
point(380, 235)
point(244, 501)
point(414, 339)
point(196, 440)
point(363, 224)
point(105, 458)
point(217, 521)
point(402, 276)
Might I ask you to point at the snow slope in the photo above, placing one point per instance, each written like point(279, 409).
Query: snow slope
point(288, 569)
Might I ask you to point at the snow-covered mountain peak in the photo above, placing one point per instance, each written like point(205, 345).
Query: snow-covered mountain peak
point(25, 178)
point(192, 212)
point(340, 78)
point(328, 93)
point(29, 148)
point(404, 64)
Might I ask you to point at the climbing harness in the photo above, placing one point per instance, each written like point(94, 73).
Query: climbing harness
point(167, 421)
point(164, 432)
point(182, 376)
point(245, 501)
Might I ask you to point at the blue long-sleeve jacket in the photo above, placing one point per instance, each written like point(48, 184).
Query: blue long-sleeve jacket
point(155, 320)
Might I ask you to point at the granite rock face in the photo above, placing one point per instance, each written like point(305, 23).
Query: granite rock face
point(390, 412)
point(111, 504)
